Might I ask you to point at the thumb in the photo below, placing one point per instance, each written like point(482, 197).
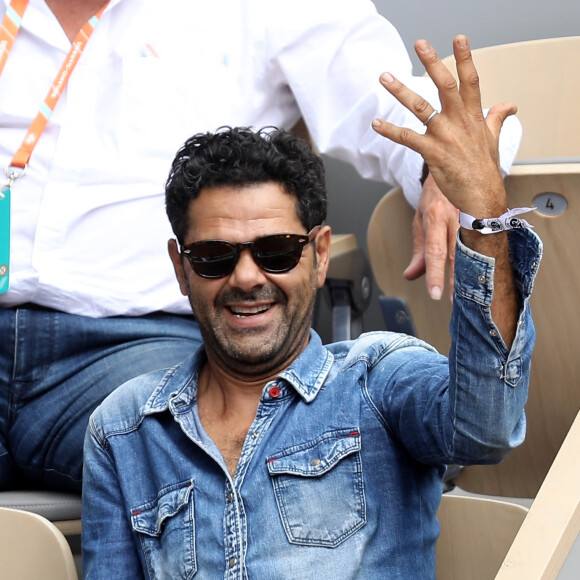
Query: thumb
point(497, 115)
point(416, 267)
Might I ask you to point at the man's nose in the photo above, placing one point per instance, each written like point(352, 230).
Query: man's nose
point(247, 274)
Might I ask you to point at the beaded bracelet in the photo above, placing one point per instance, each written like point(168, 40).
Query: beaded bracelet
point(507, 221)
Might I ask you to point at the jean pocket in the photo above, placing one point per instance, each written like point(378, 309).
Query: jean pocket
point(166, 530)
point(319, 488)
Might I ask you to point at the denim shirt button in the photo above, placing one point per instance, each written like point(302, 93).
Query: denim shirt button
point(493, 332)
point(274, 392)
point(481, 279)
point(230, 497)
point(233, 562)
point(315, 462)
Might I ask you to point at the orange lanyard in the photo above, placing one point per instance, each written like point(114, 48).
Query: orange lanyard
point(10, 27)
point(8, 32)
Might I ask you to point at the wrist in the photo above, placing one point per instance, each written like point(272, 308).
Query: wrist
point(492, 225)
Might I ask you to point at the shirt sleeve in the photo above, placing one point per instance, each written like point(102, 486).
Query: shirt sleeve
point(469, 408)
point(107, 544)
point(331, 54)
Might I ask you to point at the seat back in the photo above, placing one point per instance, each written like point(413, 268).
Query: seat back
point(552, 525)
point(554, 399)
point(483, 538)
point(476, 534)
point(555, 377)
point(63, 509)
point(540, 76)
point(33, 548)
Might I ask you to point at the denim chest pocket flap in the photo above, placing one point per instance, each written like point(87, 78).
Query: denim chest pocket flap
point(151, 517)
point(319, 488)
point(164, 524)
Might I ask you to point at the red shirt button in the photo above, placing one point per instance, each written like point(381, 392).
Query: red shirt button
point(274, 392)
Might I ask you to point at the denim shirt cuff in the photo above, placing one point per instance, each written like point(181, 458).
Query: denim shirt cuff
point(474, 272)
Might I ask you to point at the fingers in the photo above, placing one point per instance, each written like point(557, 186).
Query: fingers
point(439, 73)
point(416, 267)
point(429, 253)
point(449, 94)
point(435, 228)
point(436, 254)
point(468, 77)
point(451, 243)
point(459, 147)
point(415, 103)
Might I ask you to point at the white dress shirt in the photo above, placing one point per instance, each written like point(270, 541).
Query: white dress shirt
point(89, 230)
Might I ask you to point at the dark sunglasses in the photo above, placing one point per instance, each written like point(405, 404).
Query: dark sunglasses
point(274, 254)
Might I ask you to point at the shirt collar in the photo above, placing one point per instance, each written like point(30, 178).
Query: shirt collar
point(179, 384)
point(309, 371)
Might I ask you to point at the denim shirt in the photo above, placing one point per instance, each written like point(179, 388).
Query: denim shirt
point(340, 473)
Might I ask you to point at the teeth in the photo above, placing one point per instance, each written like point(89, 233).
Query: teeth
point(245, 310)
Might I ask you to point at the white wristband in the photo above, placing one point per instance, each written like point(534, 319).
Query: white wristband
point(507, 221)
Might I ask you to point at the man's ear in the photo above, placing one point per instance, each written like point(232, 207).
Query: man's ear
point(177, 262)
point(323, 253)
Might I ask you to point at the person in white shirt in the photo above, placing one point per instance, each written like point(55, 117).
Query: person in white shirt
point(91, 301)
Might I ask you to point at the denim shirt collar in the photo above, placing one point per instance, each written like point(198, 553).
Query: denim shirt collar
point(309, 371)
point(178, 387)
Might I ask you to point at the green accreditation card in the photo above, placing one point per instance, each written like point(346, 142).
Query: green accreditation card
point(4, 237)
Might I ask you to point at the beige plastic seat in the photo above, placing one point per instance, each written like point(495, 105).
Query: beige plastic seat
point(482, 538)
point(32, 548)
point(476, 534)
point(541, 77)
point(61, 508)
point(553, 522)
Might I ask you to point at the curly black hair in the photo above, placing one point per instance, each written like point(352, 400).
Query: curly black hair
point(242, 157)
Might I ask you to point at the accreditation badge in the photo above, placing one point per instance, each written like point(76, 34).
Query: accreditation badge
point(4, 237)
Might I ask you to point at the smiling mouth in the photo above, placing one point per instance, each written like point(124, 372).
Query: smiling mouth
point(243, 311)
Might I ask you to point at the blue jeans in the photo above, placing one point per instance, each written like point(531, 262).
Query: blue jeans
point(55, 369)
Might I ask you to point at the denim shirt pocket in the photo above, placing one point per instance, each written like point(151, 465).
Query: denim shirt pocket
point(319, 488)
point(166, 531)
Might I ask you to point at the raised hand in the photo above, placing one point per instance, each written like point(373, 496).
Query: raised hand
point(460, 145)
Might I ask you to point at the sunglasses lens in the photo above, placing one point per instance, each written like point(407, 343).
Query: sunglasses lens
point(212, 259)
point(218, 258)
point(279, 253)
